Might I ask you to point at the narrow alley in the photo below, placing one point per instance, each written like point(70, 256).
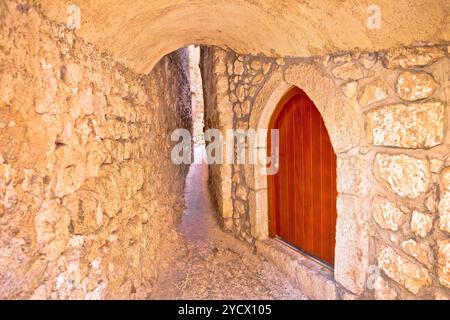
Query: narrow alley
point(204, 262)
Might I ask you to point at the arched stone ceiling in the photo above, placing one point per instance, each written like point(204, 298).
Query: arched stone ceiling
point(139, 32)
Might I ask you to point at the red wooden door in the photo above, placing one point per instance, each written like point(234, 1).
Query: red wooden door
point(302, 195)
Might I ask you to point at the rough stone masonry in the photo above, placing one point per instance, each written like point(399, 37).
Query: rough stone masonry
point(84, 160)
point(88, 191)
point(393, 160)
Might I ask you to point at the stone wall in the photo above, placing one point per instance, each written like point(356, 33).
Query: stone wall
point(195, 81)
point(84, 163)
point(388, 120)
point(217, 115)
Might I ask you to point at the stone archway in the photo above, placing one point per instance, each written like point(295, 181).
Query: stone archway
point(345, 128)
point(344, 123)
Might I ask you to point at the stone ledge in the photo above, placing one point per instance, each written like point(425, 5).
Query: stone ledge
point(313, 279)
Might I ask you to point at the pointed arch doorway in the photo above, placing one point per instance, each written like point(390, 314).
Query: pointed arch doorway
point(302, 195)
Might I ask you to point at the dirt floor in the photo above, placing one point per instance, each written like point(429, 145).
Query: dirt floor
point(202, 262)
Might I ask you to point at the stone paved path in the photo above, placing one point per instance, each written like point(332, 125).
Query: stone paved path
point(203, 262)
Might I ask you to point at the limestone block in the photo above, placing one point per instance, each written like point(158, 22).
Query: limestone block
point(133, 175)
point(255, 64)
point(72, 74)
point(10, 197)
point(46, 93)
point(445, 178)
point(240, 93)
point(412, 57)
point(444, 204)
point(412, 86)
point(52, 228)
point(108, 189)
point(352, 176)
point(411, 275)
point(241, 193)
point(406, 176)
point(373, 92)
point(239, 207)
point(348, 71)
point(444, 211)
point(238, 67)
point(245, 107)
point(436, 165)
point(86, 101)
point(444, 262)
point(85, 212)
point(352, 243)
point(421, 224)
point(349, 89)
point(387, 214)
point(71, 171)
point(421, 251)
point(406, 126)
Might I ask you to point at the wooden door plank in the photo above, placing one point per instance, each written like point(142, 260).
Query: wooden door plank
point(316, 173)
point(298, 172)
point(290, 171)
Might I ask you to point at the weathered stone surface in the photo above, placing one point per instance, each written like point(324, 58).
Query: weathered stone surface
point(412, 57)
point(383, 291)
point(412, 86)
point(444, 203)
point(368, 60)
point(10, 197)
point(387, 215)
point(48, 86)
point(340, 59)
point(406, 126)
point(421, 251)
point(311, 279)
point(444, 212)
point(241, 192)
point(255, 64)
point(79, 175)
point(238, 67)
point(85, 211)
point(404, 175)
point(71, 171)
point(445, 178)
point(52, 228)
point(86, 101)
point(373, 92)
point(406, 273)
point(436, 165)
point(441, 294)
point(444, 262)
point(352, 176)
point(342, 119)
point(71, 74)
point(421, 224)
point(352, 243)
point(349, 89)
point(348, 71)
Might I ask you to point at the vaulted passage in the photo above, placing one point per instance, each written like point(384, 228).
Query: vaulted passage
point(94, 205)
